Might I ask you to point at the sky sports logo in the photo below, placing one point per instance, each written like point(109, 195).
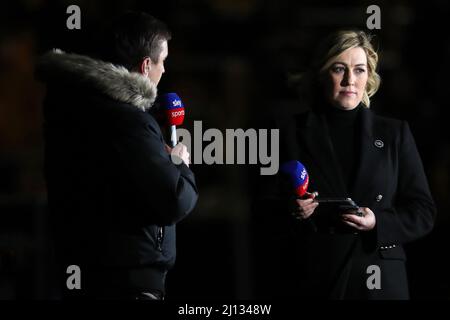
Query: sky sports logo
point(177, 103)
point(178, 113)
point(303, 174)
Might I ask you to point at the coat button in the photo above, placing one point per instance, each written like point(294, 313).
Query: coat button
point(378, 198)
point(379, 144)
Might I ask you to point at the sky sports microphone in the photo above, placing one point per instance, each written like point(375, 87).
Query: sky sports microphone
point(299, 178)
point(173, 109)
point(297, 175)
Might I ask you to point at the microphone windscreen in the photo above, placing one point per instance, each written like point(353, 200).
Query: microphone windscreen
point(298, 176)
point(173, 108)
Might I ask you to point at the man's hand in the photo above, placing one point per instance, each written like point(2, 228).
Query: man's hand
point(364, 223)
point(180, 151)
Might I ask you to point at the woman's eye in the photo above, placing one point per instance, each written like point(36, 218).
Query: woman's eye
point(337, 69)
point(360, 70)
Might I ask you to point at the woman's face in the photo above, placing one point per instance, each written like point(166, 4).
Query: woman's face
point(346, 78)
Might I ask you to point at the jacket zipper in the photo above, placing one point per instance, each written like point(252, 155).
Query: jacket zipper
point(159, 238)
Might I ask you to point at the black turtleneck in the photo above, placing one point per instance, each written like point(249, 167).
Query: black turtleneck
point(343, 126)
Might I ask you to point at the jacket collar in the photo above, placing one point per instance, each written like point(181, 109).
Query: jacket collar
point(113, 80)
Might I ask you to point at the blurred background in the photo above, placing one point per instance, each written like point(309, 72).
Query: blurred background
point(229, 61)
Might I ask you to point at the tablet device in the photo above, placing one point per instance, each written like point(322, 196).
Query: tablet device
point(340, 204)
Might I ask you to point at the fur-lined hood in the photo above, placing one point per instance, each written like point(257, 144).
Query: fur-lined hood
point(115, 81)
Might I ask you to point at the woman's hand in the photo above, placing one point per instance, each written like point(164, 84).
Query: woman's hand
point(364, 223)
point(304, 208)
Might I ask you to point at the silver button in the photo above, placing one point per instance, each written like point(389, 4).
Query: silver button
point(378, 198)
point(387, 247)
point(379, 144)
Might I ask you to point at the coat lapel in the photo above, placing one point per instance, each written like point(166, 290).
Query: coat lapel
point(370, 156)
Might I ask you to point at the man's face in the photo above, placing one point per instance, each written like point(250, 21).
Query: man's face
point(156, 69)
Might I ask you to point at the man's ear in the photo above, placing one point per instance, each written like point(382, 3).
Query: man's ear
point(146, 65)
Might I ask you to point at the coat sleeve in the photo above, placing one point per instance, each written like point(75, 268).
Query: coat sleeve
point(413, 212)
point(163, 193)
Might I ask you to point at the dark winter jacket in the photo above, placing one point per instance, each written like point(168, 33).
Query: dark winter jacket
point(114, 194)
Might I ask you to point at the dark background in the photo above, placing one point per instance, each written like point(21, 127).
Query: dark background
point(228, 60)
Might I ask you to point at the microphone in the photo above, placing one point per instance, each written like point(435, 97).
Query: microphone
point(173, 109)
point(298, 176)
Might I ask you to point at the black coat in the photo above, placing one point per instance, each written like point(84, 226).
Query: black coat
point(114, 193)
point(318, 257)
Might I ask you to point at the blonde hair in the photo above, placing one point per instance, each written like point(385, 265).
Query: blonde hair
point(333, 46)
point(348, 39)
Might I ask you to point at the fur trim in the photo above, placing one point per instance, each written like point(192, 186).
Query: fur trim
point(112, 80)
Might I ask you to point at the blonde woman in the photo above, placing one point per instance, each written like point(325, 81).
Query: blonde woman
point(350, 152)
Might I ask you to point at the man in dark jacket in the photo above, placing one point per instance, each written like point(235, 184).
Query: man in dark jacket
point(114, 194)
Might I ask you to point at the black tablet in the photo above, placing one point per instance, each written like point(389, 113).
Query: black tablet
point(340, 204)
